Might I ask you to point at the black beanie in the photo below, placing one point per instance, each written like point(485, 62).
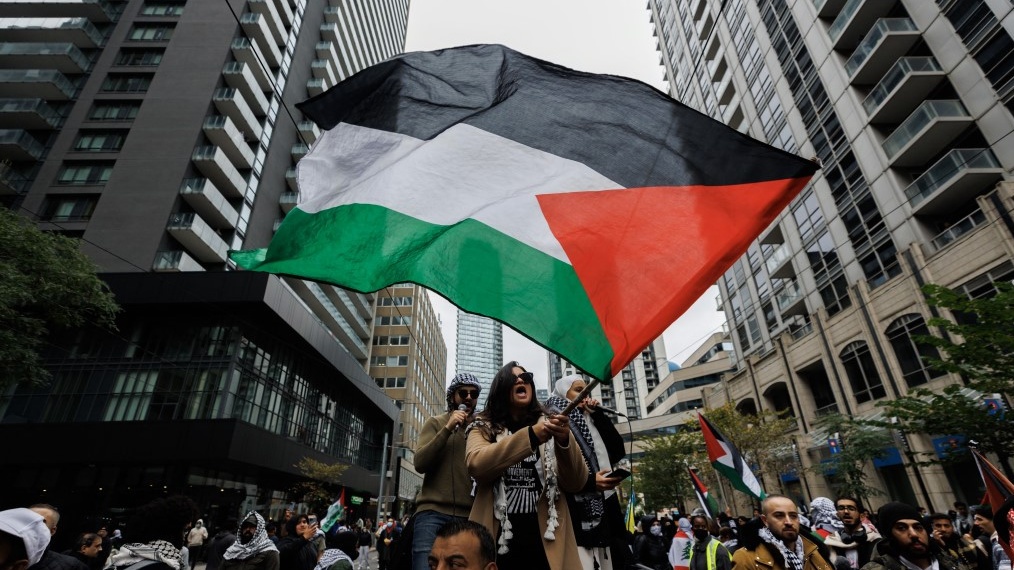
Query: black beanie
point(892, 513)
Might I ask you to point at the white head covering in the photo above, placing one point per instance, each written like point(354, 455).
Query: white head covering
point(563, 385)
point(30, 527)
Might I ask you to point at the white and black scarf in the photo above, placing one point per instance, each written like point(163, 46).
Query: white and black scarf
point(331, 556)
point(793, 560)
point(158, 551)
point(593, 502)
point(259, 543)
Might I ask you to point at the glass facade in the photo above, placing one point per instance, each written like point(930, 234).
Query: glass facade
point(480, 350)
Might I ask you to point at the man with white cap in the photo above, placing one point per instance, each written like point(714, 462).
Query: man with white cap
point(24, 537)
point(446, 492)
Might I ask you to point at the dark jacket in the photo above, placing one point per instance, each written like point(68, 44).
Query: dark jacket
point(219, 544)
point(884, 558)
point(296, 553)
point(55, 561)
point(260, 561)
point(650, 550)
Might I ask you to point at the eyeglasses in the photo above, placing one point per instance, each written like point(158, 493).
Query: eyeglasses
point(465, 394)
point(847, 508)
point(526, 377)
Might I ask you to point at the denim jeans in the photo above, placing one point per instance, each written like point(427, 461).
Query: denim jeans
point(425, 526)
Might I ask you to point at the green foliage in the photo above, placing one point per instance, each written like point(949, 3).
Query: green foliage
point(859, 443)
point(980, 349)
point(322, 483)
point(662, 470)
point(761, 439)
point(47, 284)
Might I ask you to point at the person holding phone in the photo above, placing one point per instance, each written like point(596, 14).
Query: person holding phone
point(296, 550)
point(596, 510)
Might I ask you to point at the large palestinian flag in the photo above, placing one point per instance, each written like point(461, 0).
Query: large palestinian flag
point(585, 211)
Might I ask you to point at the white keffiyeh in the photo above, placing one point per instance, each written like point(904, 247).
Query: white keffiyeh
point(159, 551)
point(793, 559)
point(259, 543)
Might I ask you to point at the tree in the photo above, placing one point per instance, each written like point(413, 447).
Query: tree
point(662, 470)
point(47, 284)
point(978, 346)
point(762, 439)
point(322, 483)
point(857, 443)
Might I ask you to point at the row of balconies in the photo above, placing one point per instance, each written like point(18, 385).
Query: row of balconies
point(64, 57)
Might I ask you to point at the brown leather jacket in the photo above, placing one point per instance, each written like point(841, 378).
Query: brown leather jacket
point(766, 558)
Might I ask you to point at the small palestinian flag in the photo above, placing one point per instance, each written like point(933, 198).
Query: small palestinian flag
point(585, 211)
point(725, 458)
point(703, 496)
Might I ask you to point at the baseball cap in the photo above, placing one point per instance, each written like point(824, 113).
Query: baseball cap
point(30, 527)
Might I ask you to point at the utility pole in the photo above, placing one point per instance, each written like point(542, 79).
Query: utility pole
point(383, 477)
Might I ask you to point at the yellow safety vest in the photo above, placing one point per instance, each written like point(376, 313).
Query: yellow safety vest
point(712, 550)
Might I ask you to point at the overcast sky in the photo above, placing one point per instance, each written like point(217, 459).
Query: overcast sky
point(600, 36)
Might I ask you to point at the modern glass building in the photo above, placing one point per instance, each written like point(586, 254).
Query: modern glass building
point(907, 105)
point(163, 133)
point(479, 349)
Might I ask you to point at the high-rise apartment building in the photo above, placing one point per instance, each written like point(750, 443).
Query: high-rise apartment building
point(907, 104)
point(627, 392)
point(163, 133)
point(479, 350)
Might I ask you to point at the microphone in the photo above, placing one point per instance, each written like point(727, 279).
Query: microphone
point(461, 408)
point(610, 411)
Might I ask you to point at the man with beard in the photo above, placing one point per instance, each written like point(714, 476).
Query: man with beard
point(943, 532)
point(855, 542)
point(906, 544)
point(780, 545)
point(253, 550)
point(983, 518)
point(446, 492)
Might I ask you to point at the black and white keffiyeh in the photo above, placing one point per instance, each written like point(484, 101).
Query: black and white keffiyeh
point(158, 550)
point(793, 559)
point(259, 543)
point(331, 556)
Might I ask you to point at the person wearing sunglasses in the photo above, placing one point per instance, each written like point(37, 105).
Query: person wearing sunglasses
point(446, 492)
point(523, 458)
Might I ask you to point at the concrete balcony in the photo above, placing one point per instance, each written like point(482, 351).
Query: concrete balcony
point(903, 88)
point(77, 31)
point(323, 69)
point(247, 52)
point(18, 146)
point(284, 11)
point(174, 262)
point(889, 39)
point(855, 20)
point(323, 308)
point(961, 228)
point(315, 87)
point(27, 113)
point(348, 60)
point(326, 52)
point(828, 8)
point(216, 166)
point(255, 26)
point(46, 84)
point(779, 265)
point(928, 130)
point(298, 151)
point(267, 9)
point(239, 76)
point(308, 131)
point(63, 57)
point(206, 200)
point(198, 238)
point(790, 300)
point(222, 132)
point(231, 103)
point(362, 303)
point(953, 180)
point(290, 179)
point(288, 201)
point(340, 298)
point(97, 11)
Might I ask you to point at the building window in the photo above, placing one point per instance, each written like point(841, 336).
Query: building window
point(69, 208)
point(100, 141)
point(127, 83)
point(389, 361)
point(151, 32)
point(85, 173)
point(395, 302)
point(862, 374)
point(114, 110)
point(909, 353)
point(139, 57)
point(162, 9)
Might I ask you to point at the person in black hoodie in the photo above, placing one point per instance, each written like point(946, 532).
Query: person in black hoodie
point(296, 550)
point(595, 510)
point(650, 548)
point(219, 544)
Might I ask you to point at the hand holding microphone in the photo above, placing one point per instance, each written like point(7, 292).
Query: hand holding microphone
point(458, 417)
